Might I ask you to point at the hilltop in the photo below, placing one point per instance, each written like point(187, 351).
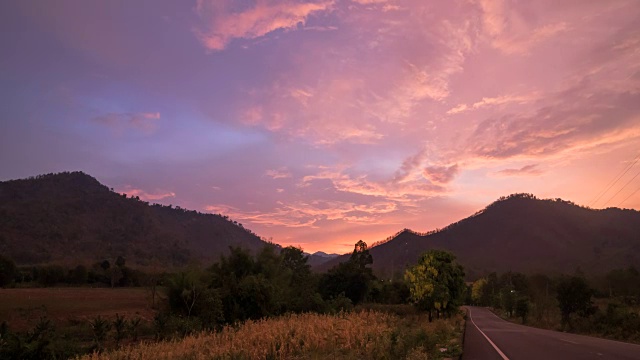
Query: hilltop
point(522, 233)
point(71, 218)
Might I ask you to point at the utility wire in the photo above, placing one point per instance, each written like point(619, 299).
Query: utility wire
point(627, 198)
point(615, 181)
point(622, 188)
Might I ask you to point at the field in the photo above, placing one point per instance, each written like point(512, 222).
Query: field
point(22, 307)
point(356, 335)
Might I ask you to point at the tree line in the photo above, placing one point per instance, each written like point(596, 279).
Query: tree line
point(603, 305)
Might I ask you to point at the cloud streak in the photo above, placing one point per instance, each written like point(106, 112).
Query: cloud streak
point(526, 170)
point(225, 20)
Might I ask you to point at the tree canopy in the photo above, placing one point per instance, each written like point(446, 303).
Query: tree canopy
point(436, 282)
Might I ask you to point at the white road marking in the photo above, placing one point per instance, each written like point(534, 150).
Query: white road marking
point(497, 349)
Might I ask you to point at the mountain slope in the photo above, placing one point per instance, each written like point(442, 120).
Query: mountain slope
point(71, 218)
point(522, 233)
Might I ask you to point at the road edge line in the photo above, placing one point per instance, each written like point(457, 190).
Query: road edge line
point(495, 347)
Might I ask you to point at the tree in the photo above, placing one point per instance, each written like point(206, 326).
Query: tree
point(120, 262)
point(7, 271)
point(79, 275)
point(184, 290)
point(360, 257)
point(625, 284)
point(301, 287)
point(574, 296)
point(352, 278)
point(508, 299)
point(120, 326)
point(522, 308)
point(477, 290)
point(436, 283)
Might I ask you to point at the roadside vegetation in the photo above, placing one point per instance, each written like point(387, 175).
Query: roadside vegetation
point(268, 304)
point(352, 335)
point(607, 306)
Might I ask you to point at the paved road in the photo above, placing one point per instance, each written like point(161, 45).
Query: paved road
point(487, 337)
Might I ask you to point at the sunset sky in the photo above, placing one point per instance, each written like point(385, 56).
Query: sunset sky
point(319, 123)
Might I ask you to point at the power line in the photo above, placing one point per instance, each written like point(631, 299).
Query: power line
point(622, 188)
point(615, 181)
point(627, 198)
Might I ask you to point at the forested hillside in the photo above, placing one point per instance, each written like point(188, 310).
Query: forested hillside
point(71, 218)
point(523, 233)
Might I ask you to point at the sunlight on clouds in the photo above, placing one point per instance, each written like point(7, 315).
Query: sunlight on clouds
point(510, 31)
point(309, 214)
point(145, 195)
point(225, 23)
point(526, 170)
point(493, 101)
point(323, 120)
point(281, 173)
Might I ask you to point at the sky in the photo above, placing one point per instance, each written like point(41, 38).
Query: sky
point(317, 123)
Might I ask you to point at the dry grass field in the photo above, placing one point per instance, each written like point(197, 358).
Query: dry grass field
point(21, 307)
point(357, 335)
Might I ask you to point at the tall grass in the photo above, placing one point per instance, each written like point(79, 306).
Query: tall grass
point(356, 335)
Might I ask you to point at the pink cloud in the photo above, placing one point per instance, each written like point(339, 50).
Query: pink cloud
point(494, 101)
point(223, 22)
point(441, 174)
point(281, 173)
point(298, 214)
point(378, 86)
point(145, 195)
point(510, 30)
point(526, 170)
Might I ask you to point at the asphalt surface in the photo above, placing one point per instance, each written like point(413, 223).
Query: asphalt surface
point(503, 340)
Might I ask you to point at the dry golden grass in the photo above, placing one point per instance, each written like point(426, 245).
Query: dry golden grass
point(362, 335)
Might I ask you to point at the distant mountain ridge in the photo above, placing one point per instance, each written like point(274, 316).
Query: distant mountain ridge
point(319, 258)
point(521, 233)
point(72, 218)
point(324, 254)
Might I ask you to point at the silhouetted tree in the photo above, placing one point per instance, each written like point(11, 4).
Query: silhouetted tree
point(574, 296)
point(522, 308)
point(352, 278)
point(7, 271)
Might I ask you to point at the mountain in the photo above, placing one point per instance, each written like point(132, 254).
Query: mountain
point(319, 258)
point(70, 218)
point(325, 255)
point(521, 233)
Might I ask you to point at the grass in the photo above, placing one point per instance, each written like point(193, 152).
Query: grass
point(356, 335)
point(598, 325)
point(22, 307)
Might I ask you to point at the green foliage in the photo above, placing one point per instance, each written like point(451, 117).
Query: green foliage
point(185, 289)
point(352, 278)
point(338, 304)
point(436, 283)
point(271, 283)
point(389, 292)
point(100, 328)
point(38, 343)
point(133, 327)
point(120, 327)
point(574, 296)
point(624, 284)
point(478, 290)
